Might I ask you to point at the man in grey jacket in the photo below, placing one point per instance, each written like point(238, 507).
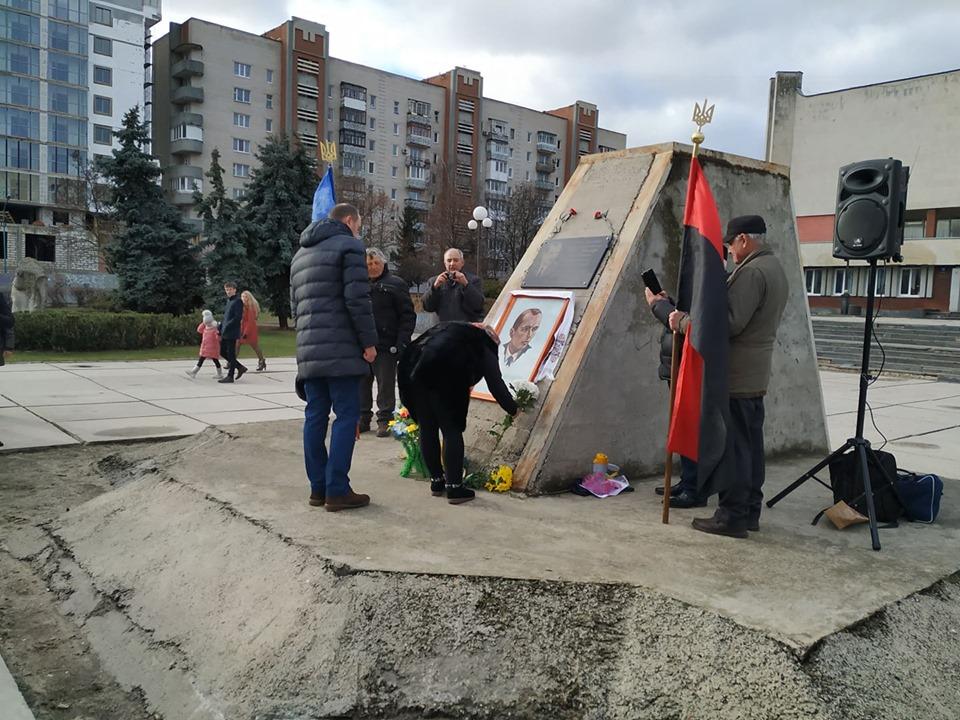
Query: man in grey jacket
point(336, 343)
point(455, 294)
point(756, 296)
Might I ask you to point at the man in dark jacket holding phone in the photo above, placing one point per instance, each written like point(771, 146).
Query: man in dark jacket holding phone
point(230, 332)
point(454, 294)
point(336, 344)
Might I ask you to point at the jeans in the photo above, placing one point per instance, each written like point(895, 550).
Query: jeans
point(385, 372)
point(329, 472)
point(743, 500)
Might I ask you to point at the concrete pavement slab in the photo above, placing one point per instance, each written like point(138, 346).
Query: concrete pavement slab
point(57, 388)
point(289, 399)
point(4, 402)
point(98, 411)
point(114, 429)
point(195, 406)
point(250, 416)
point(11, 701)
point(21, 429)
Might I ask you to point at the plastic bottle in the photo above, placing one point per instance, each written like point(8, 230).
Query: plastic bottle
point(600, 461)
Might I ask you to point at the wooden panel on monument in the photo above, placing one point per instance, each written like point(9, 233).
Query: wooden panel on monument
point(566, 263)
point(606, 395)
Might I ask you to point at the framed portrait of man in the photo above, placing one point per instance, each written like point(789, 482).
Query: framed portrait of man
point(527, 327)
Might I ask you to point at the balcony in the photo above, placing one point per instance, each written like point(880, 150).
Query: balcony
point(546, 147)
point(417, 162)
point(180, 41)
point(414, 118)
point(183, 197)
point(353, 103)
point(186, 118)
point(497, 152)
point(186, 94)
point(349, 171)
point(497, 134)
point(347, 125)
point(544, 185)
point(417, 183)
point(186, 146)
point(492, 193)
point(420, 140)
point(187, 68)
point(545, 164)
point(416, 203)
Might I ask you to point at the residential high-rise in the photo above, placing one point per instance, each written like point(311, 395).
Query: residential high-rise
point(69, 70)
point(217, 87)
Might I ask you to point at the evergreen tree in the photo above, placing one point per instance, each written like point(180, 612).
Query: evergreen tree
point(227, 246)
point(153, 254)
point(409, 265)
point(278, 204)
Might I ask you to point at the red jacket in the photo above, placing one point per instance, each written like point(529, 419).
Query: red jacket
point(210, 344)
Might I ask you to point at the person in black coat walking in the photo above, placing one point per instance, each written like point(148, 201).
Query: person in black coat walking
point(684, 494)
point(436, 373)
point(230, 332)
point(396, 319)
point(336, 344)
point(454, 294)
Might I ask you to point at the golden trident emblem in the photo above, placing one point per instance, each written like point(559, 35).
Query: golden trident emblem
point(328, 151)
point(702, 115)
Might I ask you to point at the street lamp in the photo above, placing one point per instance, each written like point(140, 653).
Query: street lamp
point(481, 219)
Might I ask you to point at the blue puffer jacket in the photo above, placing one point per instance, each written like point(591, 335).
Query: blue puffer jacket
point(330, 299)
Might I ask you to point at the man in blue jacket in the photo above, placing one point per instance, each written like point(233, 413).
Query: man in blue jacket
point(336, 344)
point(230, 332)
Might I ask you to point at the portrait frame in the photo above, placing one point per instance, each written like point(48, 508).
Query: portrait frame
point(553, 308)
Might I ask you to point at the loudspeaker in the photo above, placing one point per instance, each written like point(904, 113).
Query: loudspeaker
point(871, 201)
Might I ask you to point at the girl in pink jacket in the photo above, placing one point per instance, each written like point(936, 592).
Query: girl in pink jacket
point(209, 344)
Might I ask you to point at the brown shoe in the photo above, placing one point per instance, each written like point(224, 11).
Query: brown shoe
point(346, 502)
point(713, 526)
point(383, 430)
point(363, 427)
point(316, 500)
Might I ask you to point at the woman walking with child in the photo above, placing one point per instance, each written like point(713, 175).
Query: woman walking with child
point(249, 332)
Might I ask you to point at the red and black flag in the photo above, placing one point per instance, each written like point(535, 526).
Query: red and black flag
point(700, 416)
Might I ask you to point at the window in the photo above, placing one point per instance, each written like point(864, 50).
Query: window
point(371, 168)
point(914, 229)
point(511, 133)
point(396, 107)
point(373, 144)
point(946, 228)
point(509, 172)
point(103, 46)
point(239, 193)
point(102, 135)
point(102, 75)
point(911, 282)
point(352, 137)
point(528, 156)
point(241, 95)
point(500, 166)
point(40, 247)
point(393, 171)
point(329, 91)
point(67, 38)
point(102, 16)
point(241, 120)
point(72, 10)
point(529, 136)
point(68, 131)
point(65, 68)
point(14, 58)
point(843, 281)
point(880, 287)
point(19, 91)
point(19, 154)
point(241, 170)
point(395, 151)
point(65, 161)
point(269, 101)
point(269, 124)
point(814, 279)
point(373, 102)
point(61, 217)
point(329, 114)
point(373, 123)
point(241, 69)
point(102, 105)
point(240, 145)
point(396, 128)
point(187, 184)
point(270, 77)
point(393, 193)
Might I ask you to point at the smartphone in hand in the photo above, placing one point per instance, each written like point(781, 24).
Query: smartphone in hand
point(651, 281)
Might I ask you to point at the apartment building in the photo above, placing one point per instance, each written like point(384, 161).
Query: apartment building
point(69, 70)
point(909, 119)
point(218, 87)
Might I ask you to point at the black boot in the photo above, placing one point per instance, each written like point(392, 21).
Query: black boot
point(437, 486)
point(457, 494)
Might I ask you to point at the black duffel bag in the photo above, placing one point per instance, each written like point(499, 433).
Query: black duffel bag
point(847, 485)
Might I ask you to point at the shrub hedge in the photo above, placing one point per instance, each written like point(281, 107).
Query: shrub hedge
point(80, 330)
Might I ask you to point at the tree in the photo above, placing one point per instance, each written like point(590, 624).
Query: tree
point(408, 259)
point(90, 228)
point(227, 252)
point(523, 219)
point(446, 223)
point(153, 254)
point(378, 211)
point(277, 206)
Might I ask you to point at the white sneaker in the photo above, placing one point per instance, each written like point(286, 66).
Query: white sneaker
point(192, 374)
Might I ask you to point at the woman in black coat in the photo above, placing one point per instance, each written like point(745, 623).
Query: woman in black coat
point(435, 374)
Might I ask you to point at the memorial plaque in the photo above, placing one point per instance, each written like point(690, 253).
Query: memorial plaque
point(566, 262)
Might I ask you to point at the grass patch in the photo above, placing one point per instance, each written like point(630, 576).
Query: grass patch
point(273, 342)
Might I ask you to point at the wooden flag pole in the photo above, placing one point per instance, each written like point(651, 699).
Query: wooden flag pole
point(701, 116)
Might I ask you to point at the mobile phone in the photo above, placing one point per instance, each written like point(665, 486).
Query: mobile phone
point(650, 280)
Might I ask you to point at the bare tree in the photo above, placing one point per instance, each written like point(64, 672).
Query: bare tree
point(525, 213)
point(380, 214)
point(87, 201)
point(446, 222)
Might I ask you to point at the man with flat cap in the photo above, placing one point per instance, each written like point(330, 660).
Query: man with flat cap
point(757, 295)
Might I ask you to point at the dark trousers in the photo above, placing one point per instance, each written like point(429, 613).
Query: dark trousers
point(743, 499)
point(215, 361)
point(688, 475)
point(385, 373)
point(329, 472)
point(436, 416)
point(228, 350)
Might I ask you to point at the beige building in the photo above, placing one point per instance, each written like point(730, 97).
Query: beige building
point(912, 120)
point(224, 88)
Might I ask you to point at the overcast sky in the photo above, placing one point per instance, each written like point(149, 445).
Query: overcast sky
point(644, 64)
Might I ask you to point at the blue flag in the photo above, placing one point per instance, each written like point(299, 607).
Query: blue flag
point(325, 197)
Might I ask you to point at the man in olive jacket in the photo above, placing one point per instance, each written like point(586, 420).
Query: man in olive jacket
point(756, 296)
point(336, 343)
point(396, 319)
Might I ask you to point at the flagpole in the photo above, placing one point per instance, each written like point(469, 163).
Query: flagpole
point(701, 116)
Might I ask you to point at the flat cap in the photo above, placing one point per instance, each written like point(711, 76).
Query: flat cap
point(750, 224)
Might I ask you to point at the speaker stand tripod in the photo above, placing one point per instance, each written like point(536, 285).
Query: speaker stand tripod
point(857, 444)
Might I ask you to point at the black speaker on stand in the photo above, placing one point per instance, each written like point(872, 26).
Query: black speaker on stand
point(871, 202)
